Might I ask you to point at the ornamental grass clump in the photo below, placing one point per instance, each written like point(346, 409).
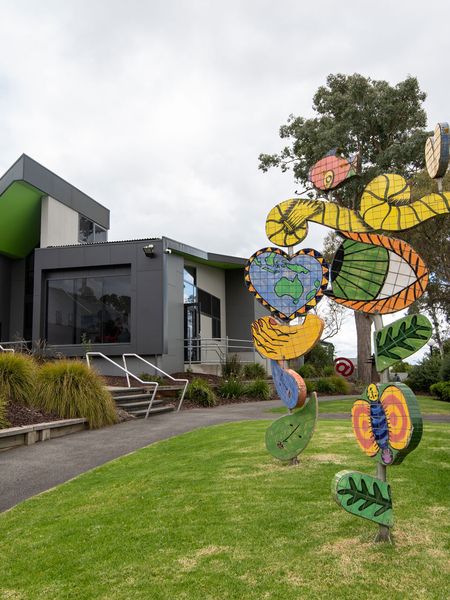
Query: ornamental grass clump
point(71, 390)
point(17, 378)
point(3, 409)
point(258, 389)
point(201, 392)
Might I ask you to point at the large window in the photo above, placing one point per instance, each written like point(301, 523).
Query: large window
point(92, 309)
point(190, 285)
point(89, 231)
point(210, 307)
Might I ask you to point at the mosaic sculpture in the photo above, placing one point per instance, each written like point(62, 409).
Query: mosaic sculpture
point(376, 274)
point(387, 422)
point(344, 366)
point(333, 170)
point(400, 339)
point(289, 435)
point(289, 385)
point(437, 151)
point(385, 205)
point(287, 285)
point(364, 496)
point(283, 342)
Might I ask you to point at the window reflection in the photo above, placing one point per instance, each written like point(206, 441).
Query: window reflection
point(89, 232)
point(89, 309)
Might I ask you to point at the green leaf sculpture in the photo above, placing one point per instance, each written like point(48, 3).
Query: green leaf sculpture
point(364, 496)
point(400, 339)
point(288, 436)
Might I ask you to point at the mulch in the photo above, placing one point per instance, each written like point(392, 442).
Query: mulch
point(18, 415)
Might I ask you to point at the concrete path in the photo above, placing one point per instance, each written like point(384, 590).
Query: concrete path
point(29, 470)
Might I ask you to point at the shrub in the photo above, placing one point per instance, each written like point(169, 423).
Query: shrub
point(17, 378)
point(71, 389)
point(307, 370)
point(441, 390)
point(3, 420)
point(254, 371)
point(340, 384)
point(310, 386)
point(444, 371)
point(231, 388)
point(148, 377)
point(328, 371)
point(320, 356)
point(401, 367)
point(425, 373)
point(231, 366)
point(258, 389)
point(201, 392)
point(324, 385)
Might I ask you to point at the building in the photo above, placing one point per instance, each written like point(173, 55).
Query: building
point(62, 282)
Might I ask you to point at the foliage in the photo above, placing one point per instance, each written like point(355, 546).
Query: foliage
point(231, 388)
point(3, 408)
point(340, 384)
point(231, 366)
point(310, 386)
point(357, 114)
point(71, 389)
point(254, 371)
point(444, 371)
point(320, 356)
point(307, 370)
point(324, 385)
point(328, 371)
point(441, 390)
point(432, 242)
point(17, 377)
point(258, 389)
point(425, 373)
point(63, 544)
point(201, 392)
point(401, 366)
point(148, 377)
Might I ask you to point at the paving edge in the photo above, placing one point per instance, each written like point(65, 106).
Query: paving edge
point(40, 432)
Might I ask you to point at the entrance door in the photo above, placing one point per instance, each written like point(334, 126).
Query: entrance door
point(191, 333)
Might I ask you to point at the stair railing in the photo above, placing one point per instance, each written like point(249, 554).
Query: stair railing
point(184, 381)
point(128, 374)
point(6, 349)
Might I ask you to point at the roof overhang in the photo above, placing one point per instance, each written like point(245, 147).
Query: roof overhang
point(21, 190)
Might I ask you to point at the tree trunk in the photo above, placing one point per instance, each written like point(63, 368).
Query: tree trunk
point(363, 328)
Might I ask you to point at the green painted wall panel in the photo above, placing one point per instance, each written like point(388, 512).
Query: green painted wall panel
point(20, 220)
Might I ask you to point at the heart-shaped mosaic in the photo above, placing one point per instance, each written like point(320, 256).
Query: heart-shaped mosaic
point(287, 285)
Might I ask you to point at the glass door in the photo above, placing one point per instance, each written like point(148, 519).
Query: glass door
point(191, 333)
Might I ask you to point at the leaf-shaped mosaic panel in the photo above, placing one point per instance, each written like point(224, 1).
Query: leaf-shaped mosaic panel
point(400, 339)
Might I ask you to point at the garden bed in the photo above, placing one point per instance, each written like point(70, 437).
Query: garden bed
point(19, 415)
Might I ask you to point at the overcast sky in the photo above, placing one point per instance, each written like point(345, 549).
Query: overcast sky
point(159, 109)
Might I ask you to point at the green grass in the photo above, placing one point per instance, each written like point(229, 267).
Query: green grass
point(210, 515)
point(428, 406)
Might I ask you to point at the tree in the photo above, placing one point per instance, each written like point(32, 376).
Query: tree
point(432, 241)
point(384, 123)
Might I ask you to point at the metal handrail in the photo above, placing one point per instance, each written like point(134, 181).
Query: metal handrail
point(6, 349)
point(128, 375)
point(185, 381)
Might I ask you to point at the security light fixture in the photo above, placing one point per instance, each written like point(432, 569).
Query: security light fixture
point(148, 250)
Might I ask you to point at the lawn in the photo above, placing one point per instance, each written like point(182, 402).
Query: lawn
point(209, 515)
point(428, 406)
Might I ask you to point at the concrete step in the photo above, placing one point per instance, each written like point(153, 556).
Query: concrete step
point(154, 411)
point(132, 397)
point(127, 405)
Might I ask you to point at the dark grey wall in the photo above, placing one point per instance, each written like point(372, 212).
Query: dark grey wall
point(242, 308)
point(148, 293)
point(5, 294)
point(17, 299)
